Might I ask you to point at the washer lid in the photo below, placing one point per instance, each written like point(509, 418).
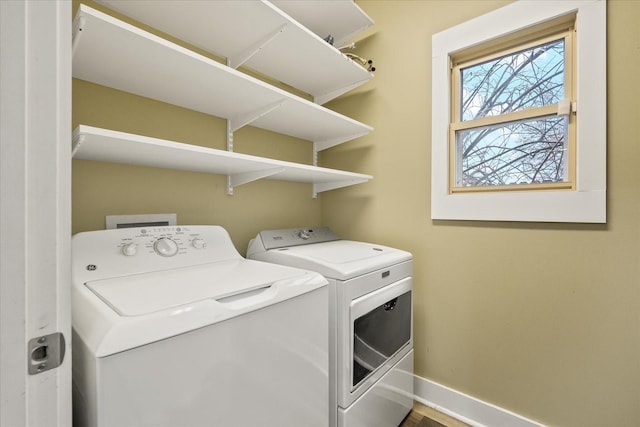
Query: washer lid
point(146, 293)
point(117, 314)
point(340, 259)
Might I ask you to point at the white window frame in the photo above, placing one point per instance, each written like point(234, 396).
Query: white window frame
point(585, 204)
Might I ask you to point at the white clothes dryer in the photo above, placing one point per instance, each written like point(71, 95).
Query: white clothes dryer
point(371, 329)
point(172, 327)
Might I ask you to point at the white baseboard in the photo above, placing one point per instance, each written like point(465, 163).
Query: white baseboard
point(466, 408)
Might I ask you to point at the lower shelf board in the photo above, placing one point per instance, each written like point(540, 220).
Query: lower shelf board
point(91, 143)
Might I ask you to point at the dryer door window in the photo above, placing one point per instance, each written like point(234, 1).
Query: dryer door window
point(379, 334)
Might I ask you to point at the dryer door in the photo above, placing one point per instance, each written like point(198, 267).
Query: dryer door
point(380, 327)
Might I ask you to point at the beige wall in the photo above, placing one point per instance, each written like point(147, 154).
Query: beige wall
point(540, 319)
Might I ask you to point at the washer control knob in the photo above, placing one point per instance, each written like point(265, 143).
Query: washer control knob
point(304, 234)
point(129, 249)
point(198, 243)
point(164, 246)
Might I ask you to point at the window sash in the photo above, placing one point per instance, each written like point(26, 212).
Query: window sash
point(457, 124)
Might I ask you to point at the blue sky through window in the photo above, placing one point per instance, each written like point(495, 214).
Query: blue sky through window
point(532, 77)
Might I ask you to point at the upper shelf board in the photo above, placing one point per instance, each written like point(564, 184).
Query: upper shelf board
point(113, 53)
point(91, 143)
point(258, 35)
point(342, 19)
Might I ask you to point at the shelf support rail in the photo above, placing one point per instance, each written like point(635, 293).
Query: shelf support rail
point(319, 187)
point(230, 149)
point(235, 123)
point(315, 154)
point(323, 145)
point(240, 59)
point(246, 177)
point(229, 135)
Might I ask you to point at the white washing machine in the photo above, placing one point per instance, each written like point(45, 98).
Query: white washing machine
point(371, 311)
point(172, 327)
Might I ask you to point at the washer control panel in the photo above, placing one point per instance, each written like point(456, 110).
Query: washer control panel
point(162, 241)
point(273, 239)
point(116, 252)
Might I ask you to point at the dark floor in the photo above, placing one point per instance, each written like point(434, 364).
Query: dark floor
point(415, 419)
point(425, 416)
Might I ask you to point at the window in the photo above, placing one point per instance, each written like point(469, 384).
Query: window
point(518, 115)
point(508, 128)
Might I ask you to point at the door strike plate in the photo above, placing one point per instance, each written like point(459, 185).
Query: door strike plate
point(45, 352)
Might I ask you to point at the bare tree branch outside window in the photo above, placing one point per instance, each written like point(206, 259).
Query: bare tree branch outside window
point(520, 152)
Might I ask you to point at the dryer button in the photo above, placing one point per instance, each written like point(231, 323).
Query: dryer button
point(304, 234)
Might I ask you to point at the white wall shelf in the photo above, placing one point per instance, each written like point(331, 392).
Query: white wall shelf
point(343, 19)
point(91, 143)
point(264, 38)
point(112, 53)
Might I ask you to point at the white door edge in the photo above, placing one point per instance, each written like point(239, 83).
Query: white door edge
point(35, 211)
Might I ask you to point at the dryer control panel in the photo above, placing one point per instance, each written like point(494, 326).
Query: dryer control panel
point(113, 253)
point(273, 239)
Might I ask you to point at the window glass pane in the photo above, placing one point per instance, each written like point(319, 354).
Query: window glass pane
point(532, 77)
point(524, 152)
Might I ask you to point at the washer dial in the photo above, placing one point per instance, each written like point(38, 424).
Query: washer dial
point(164, 246)
point(198, 243)
point(129, 249)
